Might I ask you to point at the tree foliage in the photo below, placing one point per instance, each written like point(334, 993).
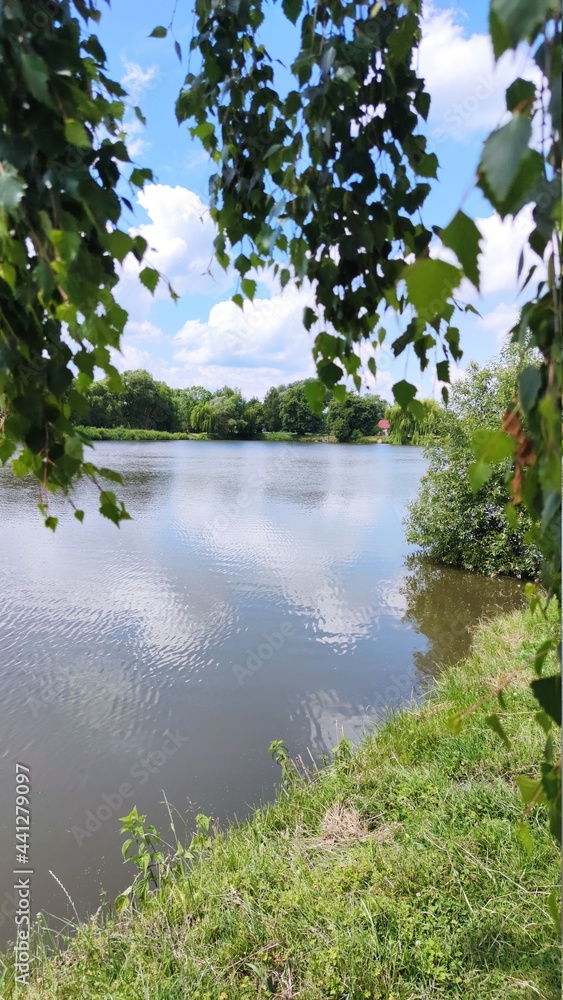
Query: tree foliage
point(447, 520)
point(355, 417)
point(62, 240)
point(417, 425)
point(295, 414)
point(329, 173)
point(272, 417)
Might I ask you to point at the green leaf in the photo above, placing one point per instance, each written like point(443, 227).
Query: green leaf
point(242, 264)
point(427, 166)
point(543, 720)
point(455, 723)
point(329, 373)
point(547, 690)
point(51, 522)
point(502, 156)
point(443, 371)
point(511, 515)
point(7, 449)
point(464, 238)
point(79, 515)
point(479, 473)
point(122, 901)
point(12, 187)
point(248, 287)
point(495, 724)
point(521, 191)
point(36, 73)
point(528, 787)
point(430, 284)
point(292, 9)
point(76, 134)
point(203, 130)
point(158, 32)
point(66, 243)
point(315, 395)
point(404, 392)
point(541, 653)
point(492, 446)
point(523, 832)
point(114, 477)
point(140, 175)
point(515, 21)
point(554, 907)
point(417, 409)
point(119, 244)
point(529, 385)
point(309, 317)
point(149, 278)
point(74, 447)
point(125, 846)
point(520, 96)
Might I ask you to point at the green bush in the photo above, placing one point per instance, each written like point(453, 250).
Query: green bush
point(447, 520)
point(129, 434)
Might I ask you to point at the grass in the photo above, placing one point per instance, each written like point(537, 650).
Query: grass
point(138, 434)
point(395, 872)
point(132, 434)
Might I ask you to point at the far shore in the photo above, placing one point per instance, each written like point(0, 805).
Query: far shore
point(134, 434)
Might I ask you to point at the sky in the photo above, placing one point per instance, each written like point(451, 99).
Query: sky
point(204, 338)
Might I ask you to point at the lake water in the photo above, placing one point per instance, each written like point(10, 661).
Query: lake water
point(261, 591)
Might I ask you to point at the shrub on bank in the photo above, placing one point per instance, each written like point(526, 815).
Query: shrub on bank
point(447, 520)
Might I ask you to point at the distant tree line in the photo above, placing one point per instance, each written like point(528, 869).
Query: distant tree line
point(150, 405)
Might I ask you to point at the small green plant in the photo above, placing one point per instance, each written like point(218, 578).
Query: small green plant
point(148, 858)
point(280, 753)
point(343, 750)
point(153, 866)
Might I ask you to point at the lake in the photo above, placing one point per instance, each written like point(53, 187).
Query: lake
point(262, 591)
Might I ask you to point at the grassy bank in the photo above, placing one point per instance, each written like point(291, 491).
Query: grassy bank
point(133, 434)
point(393, 873)
point(138, 434)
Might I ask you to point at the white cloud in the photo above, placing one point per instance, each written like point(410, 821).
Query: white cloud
point(137, 80)
point(145, 331)
point(251, 381)
point(130, 357)
point(136, 144)
point(466, 87)
point(266, 332)
point(503, 240)
point(499, 322)
point(180, 236)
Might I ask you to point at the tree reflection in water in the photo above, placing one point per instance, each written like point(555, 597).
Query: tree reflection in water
point(445, 605)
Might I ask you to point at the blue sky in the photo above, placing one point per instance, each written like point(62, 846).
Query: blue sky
point(204, 338)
